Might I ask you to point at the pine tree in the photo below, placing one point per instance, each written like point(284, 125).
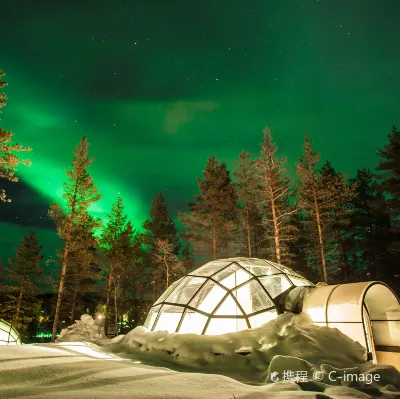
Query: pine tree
point(9, 160)
point(337, 219)
point(136, 279)
point(126, 276)
point(79, 194)
point(82, 268)
point(319, 197)
point(24, 276)
point(369, 228)
point(274, 198)
point(389, 187)
point(113, 241)
point(161, 225)
point(211, 221)
point(246, 188)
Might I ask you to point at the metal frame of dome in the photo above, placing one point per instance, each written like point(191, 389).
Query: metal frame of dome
point(6, 329)
point(259, 278)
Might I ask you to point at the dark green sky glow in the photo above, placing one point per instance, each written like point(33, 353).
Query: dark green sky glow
point(157, 86)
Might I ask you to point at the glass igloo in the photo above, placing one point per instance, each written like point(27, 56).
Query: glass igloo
point(222, 296)
point(8, 334)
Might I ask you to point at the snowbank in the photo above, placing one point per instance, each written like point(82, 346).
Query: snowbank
point(287, 356)
point(249, 355)
point(86, 329)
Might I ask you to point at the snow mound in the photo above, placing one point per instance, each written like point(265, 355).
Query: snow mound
point(251, 355)
point(86, 329)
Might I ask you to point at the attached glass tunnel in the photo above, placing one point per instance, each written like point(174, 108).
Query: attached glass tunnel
point(367, 312)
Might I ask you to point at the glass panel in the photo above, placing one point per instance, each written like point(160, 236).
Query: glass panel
point(300, 281)
point(229, 308)
point(284, 269)
point(262, 318)
point(168, 291)
point(275, 285)
point(193, 322)
point(3, 335)
point(231, 276)
point(252, 297)
point(13, 335)
point(184, 292)
point(353, 330)
point(151, 317)
point(223, 326)
point(169, 318)
point(210, 268)
point(208, 297)
point(259, 267)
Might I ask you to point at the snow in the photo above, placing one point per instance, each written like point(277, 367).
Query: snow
point(246, 355)
point(243, 364)
point(85, 329)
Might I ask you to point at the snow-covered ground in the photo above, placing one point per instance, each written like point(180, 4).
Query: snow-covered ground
point(319, 362)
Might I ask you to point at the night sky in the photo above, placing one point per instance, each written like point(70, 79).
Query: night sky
point(158, 86)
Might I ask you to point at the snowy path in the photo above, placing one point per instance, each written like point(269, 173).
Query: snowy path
point(78, 370)
point(54, 371)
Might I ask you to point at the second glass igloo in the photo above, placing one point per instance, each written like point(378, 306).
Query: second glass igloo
point(225, 295)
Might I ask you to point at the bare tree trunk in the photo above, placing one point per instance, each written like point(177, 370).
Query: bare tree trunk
point(108, 294)
point(116, 308)
point(248, 233)
point(60, 290)
point(154, 286)
point(167, 271)
point(74, 304)
point(214, 242)
point(320, 239)
point(64, 263)
point(16, 317)
point(343, 258)
point(276, 228)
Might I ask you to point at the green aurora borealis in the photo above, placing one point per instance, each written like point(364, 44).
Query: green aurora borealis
point(158, 86)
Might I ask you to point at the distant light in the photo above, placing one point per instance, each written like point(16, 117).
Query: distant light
point(100, 316)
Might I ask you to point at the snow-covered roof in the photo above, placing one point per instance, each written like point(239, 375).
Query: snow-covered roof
point(224, 295)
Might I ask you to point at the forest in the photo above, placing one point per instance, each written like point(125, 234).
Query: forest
point(328, 226)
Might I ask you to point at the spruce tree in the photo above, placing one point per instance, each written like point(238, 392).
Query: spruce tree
point(82, 267)
point(127, 274)
point(136, 277)
point(320, 196)
point(368, 229)
point(337, 218)
point(161, 225)
point(79, 194)
point(9, 160)
point(113, 241)
point(211, 221)
point(24, 276)
point(274, 198)
point(389, 187)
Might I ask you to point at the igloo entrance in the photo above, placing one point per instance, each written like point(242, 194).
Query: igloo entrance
point(223, 296)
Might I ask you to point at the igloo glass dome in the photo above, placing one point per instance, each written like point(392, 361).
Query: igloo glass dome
point(222, 296)
point(8, 334)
